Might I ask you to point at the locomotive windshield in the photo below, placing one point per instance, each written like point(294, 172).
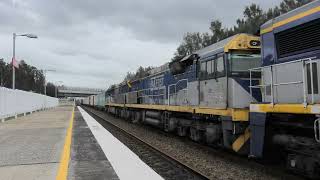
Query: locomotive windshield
point(242, 62)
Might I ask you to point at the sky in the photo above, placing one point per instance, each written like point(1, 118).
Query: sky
point(93, 43)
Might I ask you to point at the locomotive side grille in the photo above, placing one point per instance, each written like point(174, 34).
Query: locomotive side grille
point(299, 39)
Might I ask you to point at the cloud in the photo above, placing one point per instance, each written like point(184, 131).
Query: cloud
point(94, 43)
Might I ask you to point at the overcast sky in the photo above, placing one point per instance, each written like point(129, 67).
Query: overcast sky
point(93, 43)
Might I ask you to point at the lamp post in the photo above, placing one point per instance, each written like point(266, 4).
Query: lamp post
point(1, 74)
point(45, 82)
point(14, 54)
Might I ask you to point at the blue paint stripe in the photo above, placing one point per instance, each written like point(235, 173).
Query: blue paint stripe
point(245, 83)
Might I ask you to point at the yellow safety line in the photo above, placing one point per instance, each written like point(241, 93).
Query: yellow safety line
point(65, 156)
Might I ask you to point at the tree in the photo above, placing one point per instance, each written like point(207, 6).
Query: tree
point(288, 5)
point(218, 33)
point(28, 78)
point(129, 76)
point(51, 89)
point(140, 73)
point(2, 71)
point(253, 18)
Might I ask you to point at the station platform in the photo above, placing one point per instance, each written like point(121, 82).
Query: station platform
point(30, 146)
point(65, 143)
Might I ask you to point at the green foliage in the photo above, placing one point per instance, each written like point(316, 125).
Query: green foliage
point(140, 73)
point(28, 78)
point(51, 89)
point(253, 18)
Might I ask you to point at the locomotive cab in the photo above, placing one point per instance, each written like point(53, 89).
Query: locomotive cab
point(224, 73)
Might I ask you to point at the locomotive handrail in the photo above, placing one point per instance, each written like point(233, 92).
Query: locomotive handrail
point(304, 62)
point(151, 95)
point(288, 83)
point(175, 88)
point(159, 88)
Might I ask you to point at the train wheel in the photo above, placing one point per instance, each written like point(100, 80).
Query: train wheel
point(195, 134)
point(137, 116)
point(182, 131)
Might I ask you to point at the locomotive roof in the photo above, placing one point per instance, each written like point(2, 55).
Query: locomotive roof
point(308, 9)
point(238, 41)
point(219, 46)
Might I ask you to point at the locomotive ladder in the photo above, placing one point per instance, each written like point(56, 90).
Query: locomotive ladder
point(166, 119)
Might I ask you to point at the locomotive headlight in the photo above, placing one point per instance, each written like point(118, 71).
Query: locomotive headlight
point(254, 43)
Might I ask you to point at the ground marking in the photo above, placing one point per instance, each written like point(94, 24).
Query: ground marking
point(65, 156)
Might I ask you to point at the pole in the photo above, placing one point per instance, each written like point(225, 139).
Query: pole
point(1, 74)
point(45, 84)
point(13, 58)
point(56, 90)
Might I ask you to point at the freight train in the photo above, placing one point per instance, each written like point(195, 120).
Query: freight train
point(255, 96)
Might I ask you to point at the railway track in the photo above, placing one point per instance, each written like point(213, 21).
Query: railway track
point(163, 163)
point(179, 169)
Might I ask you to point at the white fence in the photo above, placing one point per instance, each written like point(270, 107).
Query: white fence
point(14, 102)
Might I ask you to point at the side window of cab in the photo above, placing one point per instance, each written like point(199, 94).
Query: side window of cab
point(219, 66)
point(203, 70)
point(213, 67)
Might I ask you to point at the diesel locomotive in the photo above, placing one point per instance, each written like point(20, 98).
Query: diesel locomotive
point(285, 124)
point(255, 96)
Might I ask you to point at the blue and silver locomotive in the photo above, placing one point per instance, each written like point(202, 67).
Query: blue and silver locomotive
point(256, 96)
point(205, 95)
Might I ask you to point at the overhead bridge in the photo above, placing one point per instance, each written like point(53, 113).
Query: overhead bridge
point(77, 92)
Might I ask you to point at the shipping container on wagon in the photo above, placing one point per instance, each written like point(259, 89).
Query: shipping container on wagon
point(100, 100)
point(85, 101)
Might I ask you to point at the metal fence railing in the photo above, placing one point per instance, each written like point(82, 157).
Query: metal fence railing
point(173, 89)
point(154, 95)
point(304, 63)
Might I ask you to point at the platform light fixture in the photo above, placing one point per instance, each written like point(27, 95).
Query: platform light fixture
point(32, 36)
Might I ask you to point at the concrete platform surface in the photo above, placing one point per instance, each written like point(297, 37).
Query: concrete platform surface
point(126, 164)
point(87, 160)
point(31, 146)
